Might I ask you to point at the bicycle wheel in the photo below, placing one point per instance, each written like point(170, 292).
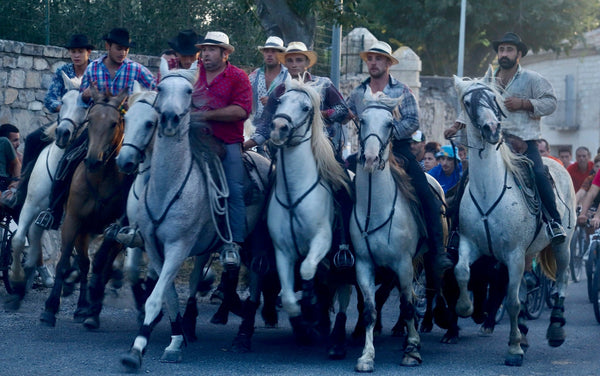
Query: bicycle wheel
point(590, 266)
point(596, 288)
point(577, 249)
point(535, 298)
point(6, 258)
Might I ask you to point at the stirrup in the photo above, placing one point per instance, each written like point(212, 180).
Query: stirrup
point(556, 232)
point(343, 258)
point(130, 237)
point(45, 219)
point(230, 256)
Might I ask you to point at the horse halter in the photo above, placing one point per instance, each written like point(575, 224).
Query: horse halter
point(112, 149)
point(295, 127)
point(76, 127)
point(382, 145)
point(141, 151)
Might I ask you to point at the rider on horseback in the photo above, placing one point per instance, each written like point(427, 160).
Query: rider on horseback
point(379, 60)
point(110, 73)
point(528, 97)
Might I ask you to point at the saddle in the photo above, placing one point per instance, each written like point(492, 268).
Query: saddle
point(526, 180)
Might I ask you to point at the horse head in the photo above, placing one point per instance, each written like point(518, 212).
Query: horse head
point(174, 98)
point(375, 131)
point(105, 128)
point(480, 103)
point(295, 115)
point(72, 112)
point(140, 120)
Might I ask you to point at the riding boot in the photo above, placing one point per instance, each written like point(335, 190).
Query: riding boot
point(544, 186)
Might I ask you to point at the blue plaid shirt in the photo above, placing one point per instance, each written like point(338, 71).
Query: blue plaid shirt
point(53, 97)
point(409, 121)
point(129, 72)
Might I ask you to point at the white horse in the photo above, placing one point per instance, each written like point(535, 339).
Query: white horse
point(174, 214)
point(301, 209)
point(383, 228)
point(495, 219)
point(70, 122)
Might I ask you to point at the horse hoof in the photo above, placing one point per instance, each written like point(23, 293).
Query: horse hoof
point(92, 322)
point(365, 366)
point(449, 339)
point(80, 315)
point(426, 327)
point(514, 360)
point(485, 331)
point(13, 302)
point(219, 319)
point(241, 344)
point(68, 289)
point(337, 352)
point(132, 360)
point(411, 358)
point(556, 335)
point(48, 318)
point(171, 356)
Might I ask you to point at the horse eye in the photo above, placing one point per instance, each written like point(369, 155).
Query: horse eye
point(114, 124)
point(159, 88)
point(149, 124)
point(189, 91)
point(305, 108)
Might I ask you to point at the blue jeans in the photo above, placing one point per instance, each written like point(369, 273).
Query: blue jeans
point(234, 174)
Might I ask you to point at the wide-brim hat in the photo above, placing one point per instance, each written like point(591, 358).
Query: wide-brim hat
point(380, 48)
point(448, 151)
point(274, 43)
point(417, 136)
point(298, 48)
point(119, 36)
point(511, 38)
point(216, 38)
point(185, 43)
point(79, 41)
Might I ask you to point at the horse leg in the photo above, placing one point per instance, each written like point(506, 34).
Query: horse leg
point(174, 352)
point(359, 328)
point(133, 260)
point(242, 341)
point(514, 357)
point(556, 332)
point(191, 307)
point(447, 318)
point(83, 261)
point(464, 306)
point(381, 296)
point(366, 280)
point(497, 292)
point(285, 269)
point(102, 269)
point(231, 300)
point(22, 275)
point(337, 349)
point(270, 290)
point(52, 304)
point(132, 360)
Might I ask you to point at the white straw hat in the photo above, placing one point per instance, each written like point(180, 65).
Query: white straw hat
point(298, 48)
point(216, 38)
point(380, 48)
point(273, 42)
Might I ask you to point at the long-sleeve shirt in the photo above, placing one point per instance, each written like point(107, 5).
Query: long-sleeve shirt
point(127, 73)
point(57, 88)
point(530, 85)
point(333, 107)
point(408, 122)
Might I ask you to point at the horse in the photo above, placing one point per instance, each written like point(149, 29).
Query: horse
point(384, 230)
point(497, 220)
point(97, 197)
point(300, 214)
point(175, 216)
point(71, 122)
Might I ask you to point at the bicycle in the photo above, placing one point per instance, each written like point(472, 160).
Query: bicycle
point(6, 235)
point(592, 257)
point(579, 244)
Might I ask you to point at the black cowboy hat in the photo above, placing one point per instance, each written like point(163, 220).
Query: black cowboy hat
point(79, 41)
point(119, 36)
point(185, 43)
point(511, 38)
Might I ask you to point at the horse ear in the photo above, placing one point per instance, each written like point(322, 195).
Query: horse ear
point(136, 87)
point(70, 83)
point(460, 85)
point(164, 66)
point(194, 65)
point(122, 96)
point(96, 95)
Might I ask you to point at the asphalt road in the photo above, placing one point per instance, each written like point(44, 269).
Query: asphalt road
point(28, 348)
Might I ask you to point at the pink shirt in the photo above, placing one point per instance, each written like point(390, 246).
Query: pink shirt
point(230, 87)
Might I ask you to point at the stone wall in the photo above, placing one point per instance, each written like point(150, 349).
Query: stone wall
point(26, 72)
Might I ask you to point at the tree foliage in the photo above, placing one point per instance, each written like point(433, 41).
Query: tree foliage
point(431, 27)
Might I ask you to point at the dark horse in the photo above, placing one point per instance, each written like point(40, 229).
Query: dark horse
point(97, 197)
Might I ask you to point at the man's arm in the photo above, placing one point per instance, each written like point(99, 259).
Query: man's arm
point(409, 119)
point(230, 113)
point(52, 100)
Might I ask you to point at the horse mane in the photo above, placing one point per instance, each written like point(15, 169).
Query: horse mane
point(327, 166)
point(50, 131)
point(148, 95)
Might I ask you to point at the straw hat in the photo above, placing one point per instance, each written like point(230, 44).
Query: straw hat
point(216, 38)
point(380, 48)
point(298, 48)
point(274, 43)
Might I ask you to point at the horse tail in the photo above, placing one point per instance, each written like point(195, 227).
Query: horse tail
point(547, 262)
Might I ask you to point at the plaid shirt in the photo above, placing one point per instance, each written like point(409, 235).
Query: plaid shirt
point(260, 89)
point(230, 87)
point(129, 72)
point(53, 97)
point(333, 108)
point(409, 110)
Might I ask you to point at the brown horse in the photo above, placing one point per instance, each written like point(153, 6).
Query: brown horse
point(97, 198)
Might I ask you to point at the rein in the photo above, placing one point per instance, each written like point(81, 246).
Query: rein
point(141, 151)
point(292, 136)
point(383, 145)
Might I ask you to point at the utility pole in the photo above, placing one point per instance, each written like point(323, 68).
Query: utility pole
point(336, 42)
point(461, 38)
point(47, 22)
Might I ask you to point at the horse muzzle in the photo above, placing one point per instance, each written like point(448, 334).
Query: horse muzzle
point(62, 137)
point(370, 162)
point(280, 130)
point(169, 124)
point(128, 160)
point(491, 132)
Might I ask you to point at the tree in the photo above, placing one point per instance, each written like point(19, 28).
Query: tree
point(431, 27)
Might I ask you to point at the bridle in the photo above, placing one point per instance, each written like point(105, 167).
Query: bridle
point(294, 127)
point(382, 145)
point(141, 150)
point(76, 126)
point(157, 107)
point(112, 149)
